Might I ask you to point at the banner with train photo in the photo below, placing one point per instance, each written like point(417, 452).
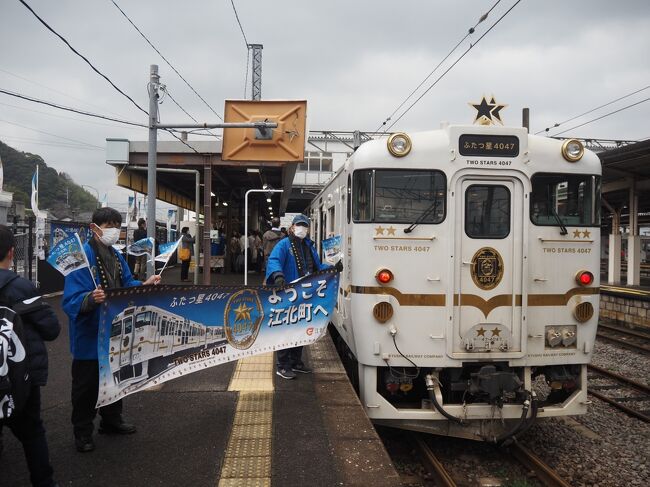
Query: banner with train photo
point(151, 334)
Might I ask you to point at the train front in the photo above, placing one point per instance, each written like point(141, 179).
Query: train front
point(471, 299)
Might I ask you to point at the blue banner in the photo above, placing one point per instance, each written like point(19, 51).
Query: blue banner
point(151, 334)
point(60, 231)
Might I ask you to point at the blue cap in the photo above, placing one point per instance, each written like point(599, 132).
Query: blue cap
point(300, 219)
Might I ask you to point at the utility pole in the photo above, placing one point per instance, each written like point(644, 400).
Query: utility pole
point(256, 78)
point(151, 162)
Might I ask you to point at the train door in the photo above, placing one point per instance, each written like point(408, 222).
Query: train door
point(489, 253)
point(126, 349)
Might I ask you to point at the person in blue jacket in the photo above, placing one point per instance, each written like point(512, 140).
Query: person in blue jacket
point(293, 257)
point(81, 302)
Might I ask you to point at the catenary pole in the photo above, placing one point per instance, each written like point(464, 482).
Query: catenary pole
point(151, 162)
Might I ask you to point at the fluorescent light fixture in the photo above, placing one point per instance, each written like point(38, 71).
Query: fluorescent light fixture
point(253, 170)
point(268, 200)
point(212, 194)
point(225, 203)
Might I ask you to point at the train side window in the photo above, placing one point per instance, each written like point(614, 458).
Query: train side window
point(487, 211)
point(349, 198)
point(404, 196)
point(361, 206)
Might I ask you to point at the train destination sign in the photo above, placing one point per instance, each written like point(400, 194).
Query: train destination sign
point(488, 145)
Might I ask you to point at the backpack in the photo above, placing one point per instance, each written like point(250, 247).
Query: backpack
point(15, 383)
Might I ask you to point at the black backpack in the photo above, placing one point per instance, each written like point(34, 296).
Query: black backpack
point(15, 383)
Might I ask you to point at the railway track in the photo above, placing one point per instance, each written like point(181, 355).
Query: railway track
point(545, 474)
point(625, 401)
point(633, 340)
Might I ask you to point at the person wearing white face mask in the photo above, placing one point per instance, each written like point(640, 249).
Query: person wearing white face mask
point(81, 302)
point(293, 257)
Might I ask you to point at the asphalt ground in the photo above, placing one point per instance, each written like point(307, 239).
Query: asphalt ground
point(184, 427)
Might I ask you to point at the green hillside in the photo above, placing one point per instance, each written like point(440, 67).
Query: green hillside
point(19, 168)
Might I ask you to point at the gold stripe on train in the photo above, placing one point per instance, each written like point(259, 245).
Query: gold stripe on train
point(472, 300)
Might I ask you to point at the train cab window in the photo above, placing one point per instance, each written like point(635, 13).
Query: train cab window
point(400, 196)
point(143, 319)
point(487, 211)
point(565, 199)
point(116, 329)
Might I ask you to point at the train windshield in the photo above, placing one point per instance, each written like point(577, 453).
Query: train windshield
point(143, 319)
point(399, 196)
point(116, 328)
point(573, 199)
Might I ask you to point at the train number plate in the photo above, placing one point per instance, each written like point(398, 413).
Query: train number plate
point(488, 145)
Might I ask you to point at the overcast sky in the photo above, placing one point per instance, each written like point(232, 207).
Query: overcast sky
point(353, 61)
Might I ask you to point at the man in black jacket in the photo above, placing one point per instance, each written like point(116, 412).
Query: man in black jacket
point(39, 324)
point(140, 268)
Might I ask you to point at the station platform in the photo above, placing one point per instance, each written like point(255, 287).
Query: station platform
point(237, 424)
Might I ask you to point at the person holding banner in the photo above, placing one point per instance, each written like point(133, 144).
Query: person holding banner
point(83, 294)
point(292, 258)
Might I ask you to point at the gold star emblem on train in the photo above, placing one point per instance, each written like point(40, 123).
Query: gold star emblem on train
point(576, 233)
point(495, 332)
point(379, 230)
point(391, 230)
point(488, 112)
point(480, 332)
point(586, 233)
point(242, 313)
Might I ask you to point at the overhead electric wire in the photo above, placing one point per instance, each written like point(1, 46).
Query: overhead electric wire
point(165, 59)
point(50, 134)
point(57, 116)
point(470, 31)
point(55, 91)
point(602, 116)
point(240, 26)
point(47, 26)
point(70, 109)
point(89, 114)
point(592, 110)
point(52, 144)
point(471, 46)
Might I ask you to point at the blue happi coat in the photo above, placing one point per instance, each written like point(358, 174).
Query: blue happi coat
point(282, 261)
point(84, 326)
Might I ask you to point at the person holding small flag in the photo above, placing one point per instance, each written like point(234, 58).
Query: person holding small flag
point(83, 294)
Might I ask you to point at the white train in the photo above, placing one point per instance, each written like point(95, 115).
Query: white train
point(471, 272)
point(146, 339)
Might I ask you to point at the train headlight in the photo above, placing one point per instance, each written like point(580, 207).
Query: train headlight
point(384, 276)
point(572, 150)
point(584, 278)
point(399, 144)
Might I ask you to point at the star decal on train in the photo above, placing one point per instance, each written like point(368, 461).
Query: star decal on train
point(581, 233)
point(388, 231)
point(242, 313)
point(488, 112)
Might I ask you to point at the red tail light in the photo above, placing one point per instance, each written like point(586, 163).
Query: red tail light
point(384, 276)
point(584, 278)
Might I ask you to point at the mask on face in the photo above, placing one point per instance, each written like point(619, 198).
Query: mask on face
point(300, 232)
point(109, 236)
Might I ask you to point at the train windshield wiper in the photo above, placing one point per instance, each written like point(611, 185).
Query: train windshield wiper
point(425, 214)
point(563, 230)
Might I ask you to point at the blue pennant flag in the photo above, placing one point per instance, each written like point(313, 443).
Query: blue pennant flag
point(68, 255)
point(141, 247)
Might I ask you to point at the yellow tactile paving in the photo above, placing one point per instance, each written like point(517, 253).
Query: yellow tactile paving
point(248, 459)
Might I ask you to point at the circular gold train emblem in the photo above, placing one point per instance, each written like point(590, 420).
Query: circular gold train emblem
point(487, 268)
point(242, 318)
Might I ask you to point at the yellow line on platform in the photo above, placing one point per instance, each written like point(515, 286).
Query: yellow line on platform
point(247, 461)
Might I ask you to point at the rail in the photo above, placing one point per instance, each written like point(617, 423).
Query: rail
point(619, 382)
point(544, 473)
point(626, 338)
point(432, 464)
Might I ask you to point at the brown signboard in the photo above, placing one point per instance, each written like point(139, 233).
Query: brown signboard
point(286, 143)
